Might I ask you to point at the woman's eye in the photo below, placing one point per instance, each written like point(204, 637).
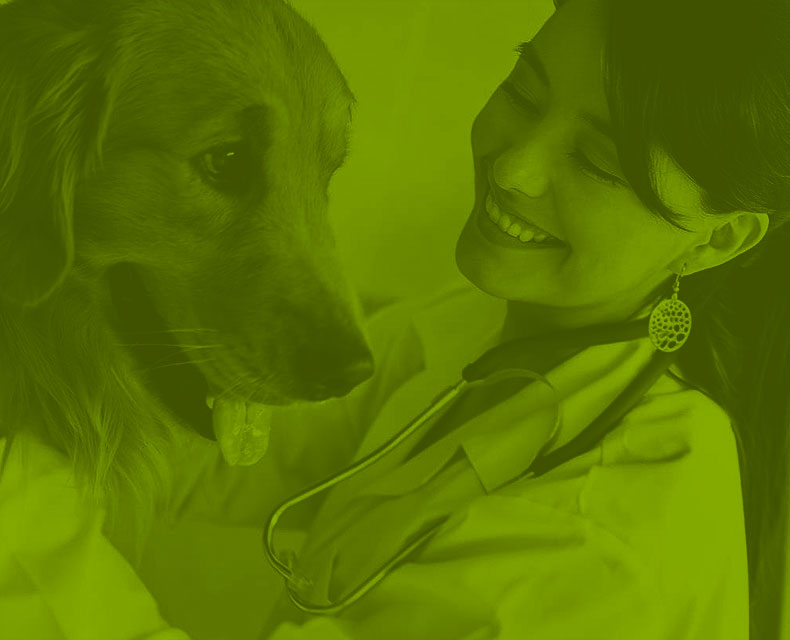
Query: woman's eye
point(590, 169)
point(228, 168)
point(517, 98)
point(524, 104)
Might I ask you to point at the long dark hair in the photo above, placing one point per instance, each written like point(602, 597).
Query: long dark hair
point(708, 81)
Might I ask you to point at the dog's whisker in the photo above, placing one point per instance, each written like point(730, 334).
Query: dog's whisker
point(180, 353)
point(166, 344)
point(173, 364)
point(249, 396)
point(175, 356)
point(230, 389)
point(142, 333)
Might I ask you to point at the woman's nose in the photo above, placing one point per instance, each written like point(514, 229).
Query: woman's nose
point(523, 168)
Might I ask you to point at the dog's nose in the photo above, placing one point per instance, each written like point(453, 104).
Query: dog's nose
point(335, 377)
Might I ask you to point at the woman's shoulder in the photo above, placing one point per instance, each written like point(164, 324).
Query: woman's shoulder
point(664, 486)
point(668, 472)
point(677, 421)
point(674, 458)
point(669, 479)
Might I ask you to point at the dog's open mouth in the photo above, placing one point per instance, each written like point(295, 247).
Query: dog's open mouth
point(242, 429)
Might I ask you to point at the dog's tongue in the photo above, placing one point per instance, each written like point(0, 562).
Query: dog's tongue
point(241, 429)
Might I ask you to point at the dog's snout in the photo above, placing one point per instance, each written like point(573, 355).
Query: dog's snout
point(334, 372)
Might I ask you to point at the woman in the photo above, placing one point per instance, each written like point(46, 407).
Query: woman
point(650, 140)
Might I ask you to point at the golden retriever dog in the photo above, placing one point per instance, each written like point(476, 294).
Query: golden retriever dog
point(166, 259)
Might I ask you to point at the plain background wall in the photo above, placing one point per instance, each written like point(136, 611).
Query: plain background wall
point(421, 70)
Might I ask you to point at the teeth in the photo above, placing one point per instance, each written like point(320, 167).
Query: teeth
point(526, 235)
point(512, 228)
point(493, 210)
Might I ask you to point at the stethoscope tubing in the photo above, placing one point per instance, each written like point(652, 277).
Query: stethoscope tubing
point(296, 582)
point(609, 418)
point(504, 360)
point(517, 353)
point(439, 402)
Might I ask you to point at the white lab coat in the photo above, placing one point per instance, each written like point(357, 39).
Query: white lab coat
point(642, 537)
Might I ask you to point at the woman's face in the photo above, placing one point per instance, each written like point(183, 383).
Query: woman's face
point(542, 154)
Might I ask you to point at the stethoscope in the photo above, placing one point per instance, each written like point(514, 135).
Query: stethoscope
point(507, 360)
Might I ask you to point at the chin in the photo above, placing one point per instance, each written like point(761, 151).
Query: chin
point(476, 267)
point(492, 272)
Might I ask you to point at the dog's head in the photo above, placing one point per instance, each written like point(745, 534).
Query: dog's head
point(176, 157)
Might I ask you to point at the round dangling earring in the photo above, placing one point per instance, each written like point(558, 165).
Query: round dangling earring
point(670, 321)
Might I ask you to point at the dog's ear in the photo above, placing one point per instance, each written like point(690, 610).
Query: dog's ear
point(54, 109)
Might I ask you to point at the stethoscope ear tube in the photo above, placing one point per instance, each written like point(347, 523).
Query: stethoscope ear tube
point(609, 418)
point(555, 347)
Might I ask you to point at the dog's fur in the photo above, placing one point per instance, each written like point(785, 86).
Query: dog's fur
point(115, 117)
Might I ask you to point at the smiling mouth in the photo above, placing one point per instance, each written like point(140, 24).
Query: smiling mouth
point(518, 228)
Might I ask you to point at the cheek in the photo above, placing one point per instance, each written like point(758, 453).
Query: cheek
point(598, 218)
point(613, 238)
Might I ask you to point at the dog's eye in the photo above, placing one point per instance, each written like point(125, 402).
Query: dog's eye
point(228, 168)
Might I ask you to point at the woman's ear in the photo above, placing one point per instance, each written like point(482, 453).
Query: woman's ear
point(53, 114)
point(738, 233)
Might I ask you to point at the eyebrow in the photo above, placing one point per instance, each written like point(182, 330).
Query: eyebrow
point(528, 53)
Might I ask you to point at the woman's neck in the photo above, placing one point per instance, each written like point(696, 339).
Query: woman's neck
point(523, 320)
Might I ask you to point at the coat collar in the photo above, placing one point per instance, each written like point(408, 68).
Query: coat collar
point(454, 329)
